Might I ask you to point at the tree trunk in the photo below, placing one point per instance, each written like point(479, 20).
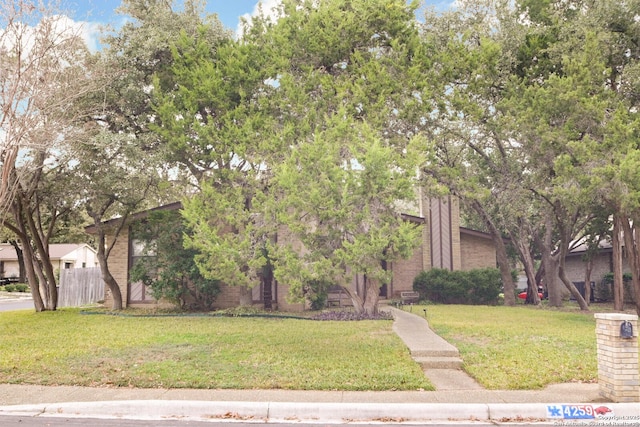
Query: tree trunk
point(587, 280)
point(358, 303)
point(550, 265)
point(21, 267)
point(551, 279)
point(572, 288)
point(372, 295)
point(246, 297)
point(618, 284)
point(562, 273)
point(107, 277)
point(30, 266)
point(501, 256)
point(40, 255)
point(632, 249)
point(33, 281)
point(635, 276)
point(529, 270)
point(505, 271)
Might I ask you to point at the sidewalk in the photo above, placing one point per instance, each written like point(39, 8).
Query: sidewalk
point(457, 397)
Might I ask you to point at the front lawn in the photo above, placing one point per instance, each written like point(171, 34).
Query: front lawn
point(69, 348)
point(519, 347)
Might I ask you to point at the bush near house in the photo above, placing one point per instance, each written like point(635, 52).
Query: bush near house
point(479, 286)
point(169, 268)
point(603, 291)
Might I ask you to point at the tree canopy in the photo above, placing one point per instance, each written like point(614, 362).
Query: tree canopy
point(318, 126)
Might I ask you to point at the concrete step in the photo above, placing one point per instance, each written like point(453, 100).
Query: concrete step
point(437, 362)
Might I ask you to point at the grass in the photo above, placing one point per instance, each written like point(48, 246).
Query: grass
point(515, 348)
point(68, 348)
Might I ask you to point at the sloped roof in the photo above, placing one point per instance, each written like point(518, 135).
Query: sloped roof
point(91, 229)
point(604, 246)
point(56, 250)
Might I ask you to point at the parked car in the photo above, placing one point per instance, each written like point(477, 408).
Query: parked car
point(523, 295)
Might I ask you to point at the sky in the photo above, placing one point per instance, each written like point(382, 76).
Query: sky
point(96, 12)
point(103, 11)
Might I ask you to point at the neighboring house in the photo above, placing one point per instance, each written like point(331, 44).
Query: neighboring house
point(602, 264)
point(444, 245)
point(63, 256)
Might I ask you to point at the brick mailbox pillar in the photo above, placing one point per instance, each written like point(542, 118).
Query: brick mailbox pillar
point(618, 375)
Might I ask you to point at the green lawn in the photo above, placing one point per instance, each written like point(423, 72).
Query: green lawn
point(519, 347)
point(502, 347)
point(66, 347)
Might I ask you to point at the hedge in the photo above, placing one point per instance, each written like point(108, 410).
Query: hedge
point(480, 286)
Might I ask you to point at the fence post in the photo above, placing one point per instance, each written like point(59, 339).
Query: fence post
point(618, 375)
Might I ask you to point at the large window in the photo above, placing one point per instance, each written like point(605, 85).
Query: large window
point(138, 291)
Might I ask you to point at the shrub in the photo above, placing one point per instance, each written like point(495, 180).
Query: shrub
point(22, 287)
point(10, 288)
point(604, 290)
point(168, 268)
point(480, 286)
point(485, 285)
point(317, 292)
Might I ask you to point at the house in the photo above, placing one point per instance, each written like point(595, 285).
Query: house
point(63, 256)
point(445, 244)
point(601, 265)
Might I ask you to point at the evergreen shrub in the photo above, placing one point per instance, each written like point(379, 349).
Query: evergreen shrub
point(479, 286)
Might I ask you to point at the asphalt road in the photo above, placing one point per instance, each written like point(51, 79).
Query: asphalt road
point(77, 422)
point(10, 305)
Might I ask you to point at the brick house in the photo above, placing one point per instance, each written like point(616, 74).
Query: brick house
point(445, 244)
point(602, 264)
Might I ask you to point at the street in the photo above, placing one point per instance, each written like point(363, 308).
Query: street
point(12, 304)
point(77, 422)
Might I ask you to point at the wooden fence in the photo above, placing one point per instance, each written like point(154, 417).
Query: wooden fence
point(80, 286)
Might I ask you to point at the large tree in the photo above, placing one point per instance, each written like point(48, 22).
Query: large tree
point(340, 196)
point(45, 70)
point(215, 124)
point(123, 164)
point(349, 77)
point(239, 112)
point(467, 150)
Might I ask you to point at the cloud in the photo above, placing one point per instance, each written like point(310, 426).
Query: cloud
point(269, 8)
point(61, 26)
point(89, 32)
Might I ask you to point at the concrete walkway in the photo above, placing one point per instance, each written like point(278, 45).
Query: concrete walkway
point(440, 360)
point(457, 396)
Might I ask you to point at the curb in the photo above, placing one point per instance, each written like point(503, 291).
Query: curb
point(620, 413)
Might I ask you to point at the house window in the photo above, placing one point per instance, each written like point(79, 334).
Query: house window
point(68, 265)
point(138, 291)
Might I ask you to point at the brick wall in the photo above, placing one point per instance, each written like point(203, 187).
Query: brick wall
point(229, 297)
point(456, 244)
point(283, 303)
point(404, 271)
point(618, 376)
point(476, 252)
point(576, 267)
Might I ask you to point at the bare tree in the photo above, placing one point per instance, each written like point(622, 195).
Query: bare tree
point(44, 70)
